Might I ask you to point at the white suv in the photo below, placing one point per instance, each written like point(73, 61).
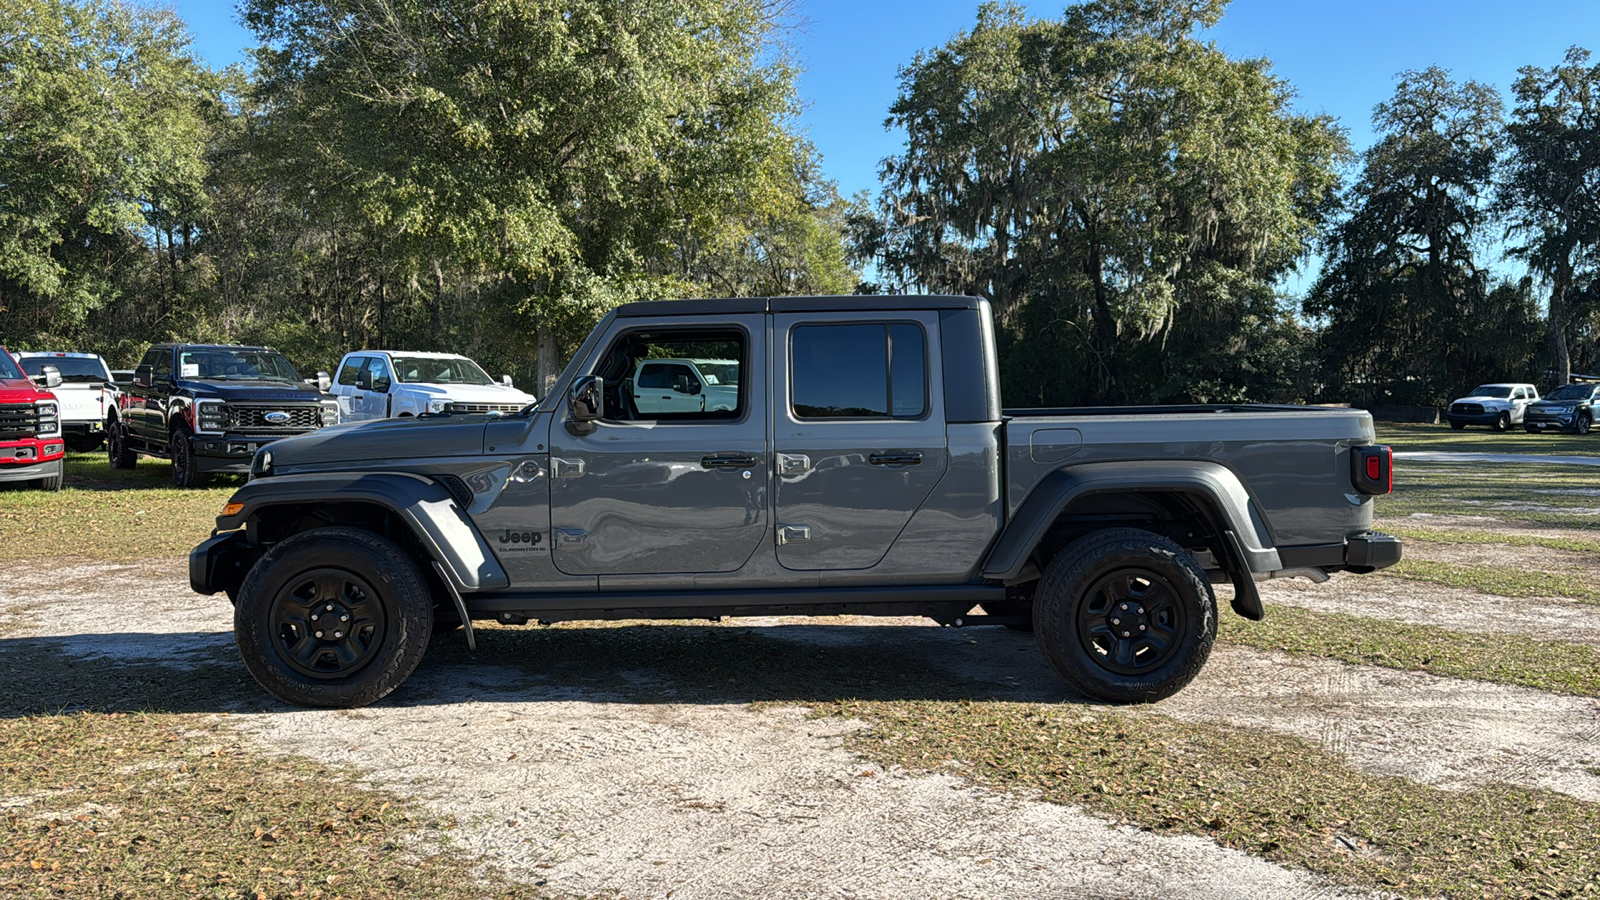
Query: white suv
point(1497, 405)
point(389, 384)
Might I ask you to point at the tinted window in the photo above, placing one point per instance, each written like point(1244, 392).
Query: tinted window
point(73, 369)
point(163, 363)
point(347, 372)
point(8, 369)
point(379, 369)
point(432, 370)
point(1498, 391)
point(1571, 392)
point(858, 371)
point(652, 375)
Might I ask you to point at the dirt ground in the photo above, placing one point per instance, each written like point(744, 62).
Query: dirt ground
point(609, 784)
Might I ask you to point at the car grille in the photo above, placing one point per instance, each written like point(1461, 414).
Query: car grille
point(254, 418)
point(1467, 409)
point(1544, 415)
point(467, 409)
point(18, 420)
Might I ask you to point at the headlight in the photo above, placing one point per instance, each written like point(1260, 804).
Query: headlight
point(49, 419)
point(330, 412)
point(210, 416)
point(438, 406)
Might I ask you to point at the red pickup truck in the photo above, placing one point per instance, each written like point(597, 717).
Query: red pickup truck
point(31, 445)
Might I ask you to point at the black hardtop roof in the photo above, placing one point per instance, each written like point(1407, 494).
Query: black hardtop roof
point(841, 303)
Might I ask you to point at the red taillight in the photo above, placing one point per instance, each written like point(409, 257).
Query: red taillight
point(1374, 469)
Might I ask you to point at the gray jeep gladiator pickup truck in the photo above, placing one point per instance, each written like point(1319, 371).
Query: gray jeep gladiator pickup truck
point(864, 468)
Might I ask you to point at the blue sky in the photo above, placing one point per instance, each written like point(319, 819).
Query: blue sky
point(1340, 55)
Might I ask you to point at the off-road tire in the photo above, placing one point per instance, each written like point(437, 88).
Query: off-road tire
point(276, 586)
point(1502, 422)
point(122, 456)
point(185, 471)
point(1077, 584)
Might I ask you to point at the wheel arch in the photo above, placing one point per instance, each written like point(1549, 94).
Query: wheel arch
point(1197, 504)
point(412, 510)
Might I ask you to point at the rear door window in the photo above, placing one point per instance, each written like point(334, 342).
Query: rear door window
point(859, 371)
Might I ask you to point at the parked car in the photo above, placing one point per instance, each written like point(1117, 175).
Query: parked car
point(866, 467)
point(1497, 405)
point(31, 445)
point(392, 384)
point(684, 385)
point(1569, 408)
point(210, 407)
point(86, 393)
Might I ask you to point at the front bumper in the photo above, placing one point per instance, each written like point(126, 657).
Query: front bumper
point(220, 563)
point(1532, 420)
point(230, 452)
point(28, 471)
point(1487, 417)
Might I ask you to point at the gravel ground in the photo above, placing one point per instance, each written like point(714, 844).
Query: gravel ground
point(600, 784)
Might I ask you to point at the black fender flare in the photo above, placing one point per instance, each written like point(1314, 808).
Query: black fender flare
point(1215, 485)
point(425, 506)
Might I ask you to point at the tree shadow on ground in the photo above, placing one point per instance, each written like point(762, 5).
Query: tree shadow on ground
point(628, 664)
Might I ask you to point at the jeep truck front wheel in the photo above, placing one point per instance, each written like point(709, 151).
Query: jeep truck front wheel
point(1125, 616)
point(333, 617)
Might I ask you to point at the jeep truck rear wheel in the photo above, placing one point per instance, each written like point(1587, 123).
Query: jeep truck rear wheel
point(1125, 616)
point(333, 617)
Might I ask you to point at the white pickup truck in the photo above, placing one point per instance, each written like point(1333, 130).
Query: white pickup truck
point(85, 394)
point(682, 385)
point(392, 384)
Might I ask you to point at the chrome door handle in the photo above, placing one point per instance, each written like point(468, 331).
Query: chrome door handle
point(895, 459)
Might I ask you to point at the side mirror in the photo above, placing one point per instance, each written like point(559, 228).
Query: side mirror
point(694, 387)
point(588, 403)
point(141, 376)
point(363, 379)
point(506, 380)
point(51, 376)
point(324, 383)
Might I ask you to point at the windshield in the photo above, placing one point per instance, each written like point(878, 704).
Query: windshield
point(1571, 392)
point(8, 369)
point(428, 370)
point(228, 364)
point(1490, 390)
point(73, 369)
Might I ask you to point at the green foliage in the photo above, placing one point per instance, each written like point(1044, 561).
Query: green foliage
point(1105, 179)
point(106, 116)
point(1551, 195)
point(1411, 316)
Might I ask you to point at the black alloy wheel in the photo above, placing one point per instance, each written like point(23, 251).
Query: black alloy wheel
point(185, 471)
point(1583, 423)
point(122, 456)
point(328, 623)
point(333, 617)
point(1125, 616)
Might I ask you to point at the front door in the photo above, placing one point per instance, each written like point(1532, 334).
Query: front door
point(663, 492)
point(858, 432)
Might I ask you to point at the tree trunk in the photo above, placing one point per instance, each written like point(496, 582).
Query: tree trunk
point(1561, 357)
point(548, 363)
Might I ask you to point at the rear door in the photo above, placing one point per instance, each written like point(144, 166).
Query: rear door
point(858, 430)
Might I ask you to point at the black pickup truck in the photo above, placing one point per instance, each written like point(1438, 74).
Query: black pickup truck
point(210, 407)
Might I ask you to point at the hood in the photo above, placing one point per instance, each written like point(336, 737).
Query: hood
point(381, 439)
point(1479, 399)
point(471, 393)
point(1558, 404)
point(255, 391)
point(21, 390)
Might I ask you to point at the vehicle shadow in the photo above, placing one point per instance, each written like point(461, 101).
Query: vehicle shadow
point(630, 664)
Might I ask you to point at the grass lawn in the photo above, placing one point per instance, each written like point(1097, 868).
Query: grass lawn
point(1484, 440)
point(105, 514)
